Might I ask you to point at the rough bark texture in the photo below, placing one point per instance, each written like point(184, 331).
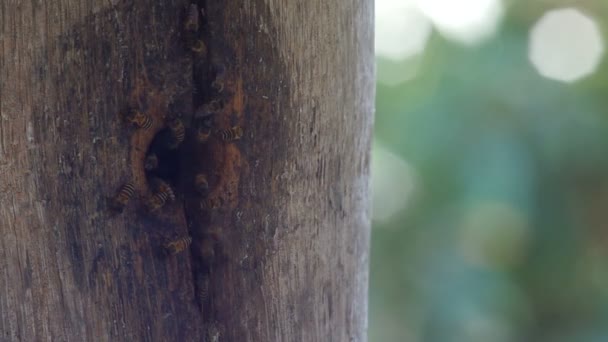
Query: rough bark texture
point(288, 254)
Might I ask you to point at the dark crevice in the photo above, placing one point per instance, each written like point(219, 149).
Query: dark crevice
point(202, 77)
point(167, 159)
point(200, 80)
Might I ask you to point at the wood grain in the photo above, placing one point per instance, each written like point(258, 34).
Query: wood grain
point(290, 241)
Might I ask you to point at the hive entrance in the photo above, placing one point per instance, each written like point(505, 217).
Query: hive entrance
point(162, 160)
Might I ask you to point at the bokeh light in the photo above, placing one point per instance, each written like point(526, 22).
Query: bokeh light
point(401, 30)
point(392, 184)
point(402, 33)
point(565, 45)
point(491, 182)
point(466, 21)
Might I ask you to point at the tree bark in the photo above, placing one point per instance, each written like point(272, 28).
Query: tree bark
point(286, 253)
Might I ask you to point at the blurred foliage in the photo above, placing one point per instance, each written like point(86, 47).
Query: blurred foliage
point(505, 236)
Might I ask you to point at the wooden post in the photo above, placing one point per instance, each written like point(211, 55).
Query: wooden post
point(285, 253)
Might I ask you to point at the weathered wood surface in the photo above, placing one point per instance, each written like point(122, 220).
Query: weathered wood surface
point(290, 263)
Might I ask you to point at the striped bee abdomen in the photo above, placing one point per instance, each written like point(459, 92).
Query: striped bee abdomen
point(231, 134)
point(122, 197)
point(140, 119)
point(179, 245)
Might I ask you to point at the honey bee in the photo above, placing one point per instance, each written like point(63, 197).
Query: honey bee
point(203, 122)
point(191, 23)
point(219, 78)
point(203, 288)
point(158, 200)
point(231, 134)
point(140, 119)
point(178, 132)
point(179, 245)
point(211, 203)
point(218, 84)
point(199, 48)
point(151, 162)
point(214, 233)
point(207, 250)
point(155, 202)
point(162, 187)
point(201, 184)
point(203, 134)
point(216, 105)
point(122, 197)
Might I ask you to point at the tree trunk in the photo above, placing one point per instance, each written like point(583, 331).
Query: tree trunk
point(282, 241)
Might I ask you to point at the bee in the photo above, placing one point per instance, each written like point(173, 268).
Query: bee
point(151, 162)
point(140, 119)
point(191, 23)
point(216, 105)
point(207, 250)
point(201, 184)
point(179, 245)
point(162, 187)
point(122, 197)
point(199, 48)
point(211, 203)
point(203, 134)
point(209, 108)
point(178, 132)
point(203, 121)
point(231, 134)
point(203, 288)
point(214, 233)
point(158, 200)
point(155, 202)
point(218, 84)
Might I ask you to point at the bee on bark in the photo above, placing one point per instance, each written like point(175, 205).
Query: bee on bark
point(201, 184)
point(203, 128)
point(191, 23)
point(219, 77)
point(218, 84)
point(215, 233)
point(122, 197)
point(231, 134)
point(207, 249)
point(203, 121)
point(208, 109)
point(151, 162)
point(203, 134)
point(156, 201)
point(139, 119)
point(199, 48)
point(216, 105)
point(179, 245)
point(191, 27)
point(211, 203)
point(162, 187)
point(202, 282)
point(159, 199)
point(178, 132)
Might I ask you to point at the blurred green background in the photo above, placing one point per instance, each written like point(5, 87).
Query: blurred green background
point(490, 172)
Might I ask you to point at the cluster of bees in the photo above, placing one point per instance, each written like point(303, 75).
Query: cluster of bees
point(175, 134)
